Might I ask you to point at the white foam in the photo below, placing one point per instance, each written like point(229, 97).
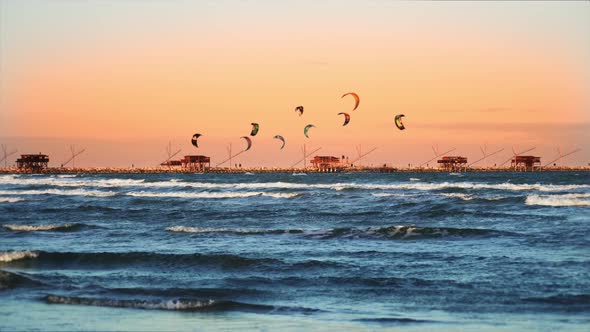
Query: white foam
point(186, 229)
point(138, 304)
point(62, 192)
point(9, 256)
point(495, 198)
point(69, 182)
point(180, 194)
point(10, 199)
point(35, 228)
point(559, 200)
point(464, 197)
point(374, 186)
point(414, 179)
point(391, 195)
point(89, 182)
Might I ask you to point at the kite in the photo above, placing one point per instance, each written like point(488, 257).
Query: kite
point(398, 122)
point(357, 100)
point(255, 128)
point(279, 137)
point(346, 118)
point(307, 128)
point(194, 140)
point(299, 109)
point(249, 142)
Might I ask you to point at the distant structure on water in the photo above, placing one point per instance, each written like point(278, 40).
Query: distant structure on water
point(32, 162)
point(525, 163)
point(327, 163)
point(453, 163)
point(196, 163)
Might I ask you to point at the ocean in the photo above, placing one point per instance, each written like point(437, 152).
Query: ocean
point(323, 252)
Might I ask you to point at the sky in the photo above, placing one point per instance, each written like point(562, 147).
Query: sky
point(122, 78)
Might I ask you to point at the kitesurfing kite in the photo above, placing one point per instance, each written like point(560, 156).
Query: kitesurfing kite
point(299, 109)
point(398, 122)
point(307, 128)
point(346, 118)
point(194, 140)
point(282, 139)
point(255, 128)
point(357, 100)
point(249, 141)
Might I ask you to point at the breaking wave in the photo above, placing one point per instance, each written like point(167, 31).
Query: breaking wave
point(403, 232)
point(391, 232)
point(9, 256)
point(173, 304)
point(391, 195)
point(10, 199)
point(559, 200)
point(464, 197)
point(148, 259)
point(375, 186)
point(70, 192)
point(53, 228)
point(185, 229)
point(63, 181)
point(413, 184)
point(124, 258)
point(212, 194)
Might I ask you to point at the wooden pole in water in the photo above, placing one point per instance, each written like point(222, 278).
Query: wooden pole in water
point(305, 156)
point(561, 156)
point(230, 157)
point(73, 157)
point(363, 155)
point(436, 156)
point(485, 156)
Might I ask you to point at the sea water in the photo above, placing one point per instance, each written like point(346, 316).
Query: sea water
point(411, 251)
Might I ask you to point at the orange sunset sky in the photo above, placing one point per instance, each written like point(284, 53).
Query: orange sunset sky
point(122, 78)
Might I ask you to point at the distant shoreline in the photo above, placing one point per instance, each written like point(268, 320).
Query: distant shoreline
point(165, 170)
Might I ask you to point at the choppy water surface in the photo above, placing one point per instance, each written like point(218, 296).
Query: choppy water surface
point(415, 251)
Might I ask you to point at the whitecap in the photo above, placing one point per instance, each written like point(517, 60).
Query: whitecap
point(186, 229)
point(10, 199)
point(70, 182)
point(177, 304)
point(180, 194)
point(9, 256)
point(464, 197)
point(391, 195)
point(36, 228)
point(62, 192)
point(559, 200)
point(107, 183)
